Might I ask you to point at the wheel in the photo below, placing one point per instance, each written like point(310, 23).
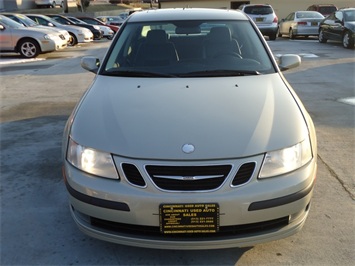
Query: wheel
point(348, 41)
point(272, 37)
point(321, 37)
point(290, 34)
point(73, 40)
point(28, 48)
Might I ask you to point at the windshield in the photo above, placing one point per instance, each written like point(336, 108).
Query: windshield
point(10, 23)
point(187, 49)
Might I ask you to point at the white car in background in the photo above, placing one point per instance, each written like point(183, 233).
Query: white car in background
point(78, 34)
point(49, 3)
point(29, 42)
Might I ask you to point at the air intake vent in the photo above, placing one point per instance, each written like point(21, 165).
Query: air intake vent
point(244, 173)
point(188, 178)
point(133, 175)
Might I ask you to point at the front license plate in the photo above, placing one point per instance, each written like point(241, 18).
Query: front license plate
point(189, 218)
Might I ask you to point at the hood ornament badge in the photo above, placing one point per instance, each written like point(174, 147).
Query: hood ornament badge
point(188, 148)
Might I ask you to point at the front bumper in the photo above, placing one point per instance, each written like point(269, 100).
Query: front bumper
point(255, 212)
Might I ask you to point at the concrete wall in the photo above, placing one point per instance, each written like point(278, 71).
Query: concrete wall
point(282, 7)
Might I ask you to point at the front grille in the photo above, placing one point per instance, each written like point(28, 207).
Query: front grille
point(188, 178)
point(133, 175)
point(224, 231)
point(244, 174)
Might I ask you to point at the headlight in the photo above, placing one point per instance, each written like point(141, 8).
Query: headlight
point(91, 161)
point(286, 160)
point(49, 37)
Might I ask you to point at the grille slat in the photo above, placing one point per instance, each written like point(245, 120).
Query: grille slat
point(133, 175)
point(244, 174)
point(193, 178)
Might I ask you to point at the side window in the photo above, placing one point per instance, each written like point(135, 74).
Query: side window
point(339, 16)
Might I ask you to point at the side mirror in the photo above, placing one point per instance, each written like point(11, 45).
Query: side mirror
point(91, 64)
point(2, 27)
point(50, 24)
point(288, 61)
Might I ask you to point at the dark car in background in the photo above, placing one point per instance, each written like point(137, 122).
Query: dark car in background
point(98, 34)
point(324, 9)
point(339, 26)
point(95, 21)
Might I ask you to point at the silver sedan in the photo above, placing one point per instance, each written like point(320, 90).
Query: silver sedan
point(300, 23)
point(189, 137)
point(29, 42)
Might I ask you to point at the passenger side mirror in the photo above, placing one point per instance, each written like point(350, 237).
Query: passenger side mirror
point(2, 27)
point(289, 61)
point(91, 64)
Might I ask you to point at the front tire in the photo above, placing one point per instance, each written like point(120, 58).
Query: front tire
point(321, 37)
point(73, 40)
point(348, 41)
point(291, 35)
point(28, 48)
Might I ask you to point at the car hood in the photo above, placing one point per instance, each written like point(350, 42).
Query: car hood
point(151, 118)
point(350, 25)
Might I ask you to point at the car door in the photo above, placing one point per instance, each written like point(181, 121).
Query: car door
point(6, 43)
point(336, 30)
point(287, 23)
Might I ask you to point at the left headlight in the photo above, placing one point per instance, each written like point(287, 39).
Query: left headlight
point(49, 36)
point(91, 161)
point(286, 160)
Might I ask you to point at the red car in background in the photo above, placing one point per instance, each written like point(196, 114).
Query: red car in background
point(94, 21)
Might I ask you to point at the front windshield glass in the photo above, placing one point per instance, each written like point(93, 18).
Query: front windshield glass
point(188, 49)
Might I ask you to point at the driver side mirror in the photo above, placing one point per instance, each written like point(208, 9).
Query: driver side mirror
point(91, 64)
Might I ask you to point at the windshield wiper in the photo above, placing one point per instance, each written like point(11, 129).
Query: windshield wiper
point(220, 73)
point(125, 73)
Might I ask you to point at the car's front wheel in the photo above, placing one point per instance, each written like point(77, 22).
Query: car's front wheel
point(348, 41)
point(73, 40)
point(290, 34)
point(321, 37)
point(28, 48)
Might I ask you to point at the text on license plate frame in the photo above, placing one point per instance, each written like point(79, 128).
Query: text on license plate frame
point(189, 218)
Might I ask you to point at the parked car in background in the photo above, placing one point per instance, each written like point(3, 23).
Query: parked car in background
point(78, 34)
point(111, 20)
point(95, 21)
point(324, 9)
point(106, 31)
point(191, 141)
point(49, 3)
point(66, 21)
point(28, 42)
point(339, 26)
point(27, 22)
point(300, 23)
point(264, 17)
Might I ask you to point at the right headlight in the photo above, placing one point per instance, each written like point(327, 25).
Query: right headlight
point(286, 160)
point(91, 161)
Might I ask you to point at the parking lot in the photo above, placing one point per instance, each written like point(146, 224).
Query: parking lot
point(36, 228)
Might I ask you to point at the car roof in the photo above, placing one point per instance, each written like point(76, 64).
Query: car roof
point(187, 14)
